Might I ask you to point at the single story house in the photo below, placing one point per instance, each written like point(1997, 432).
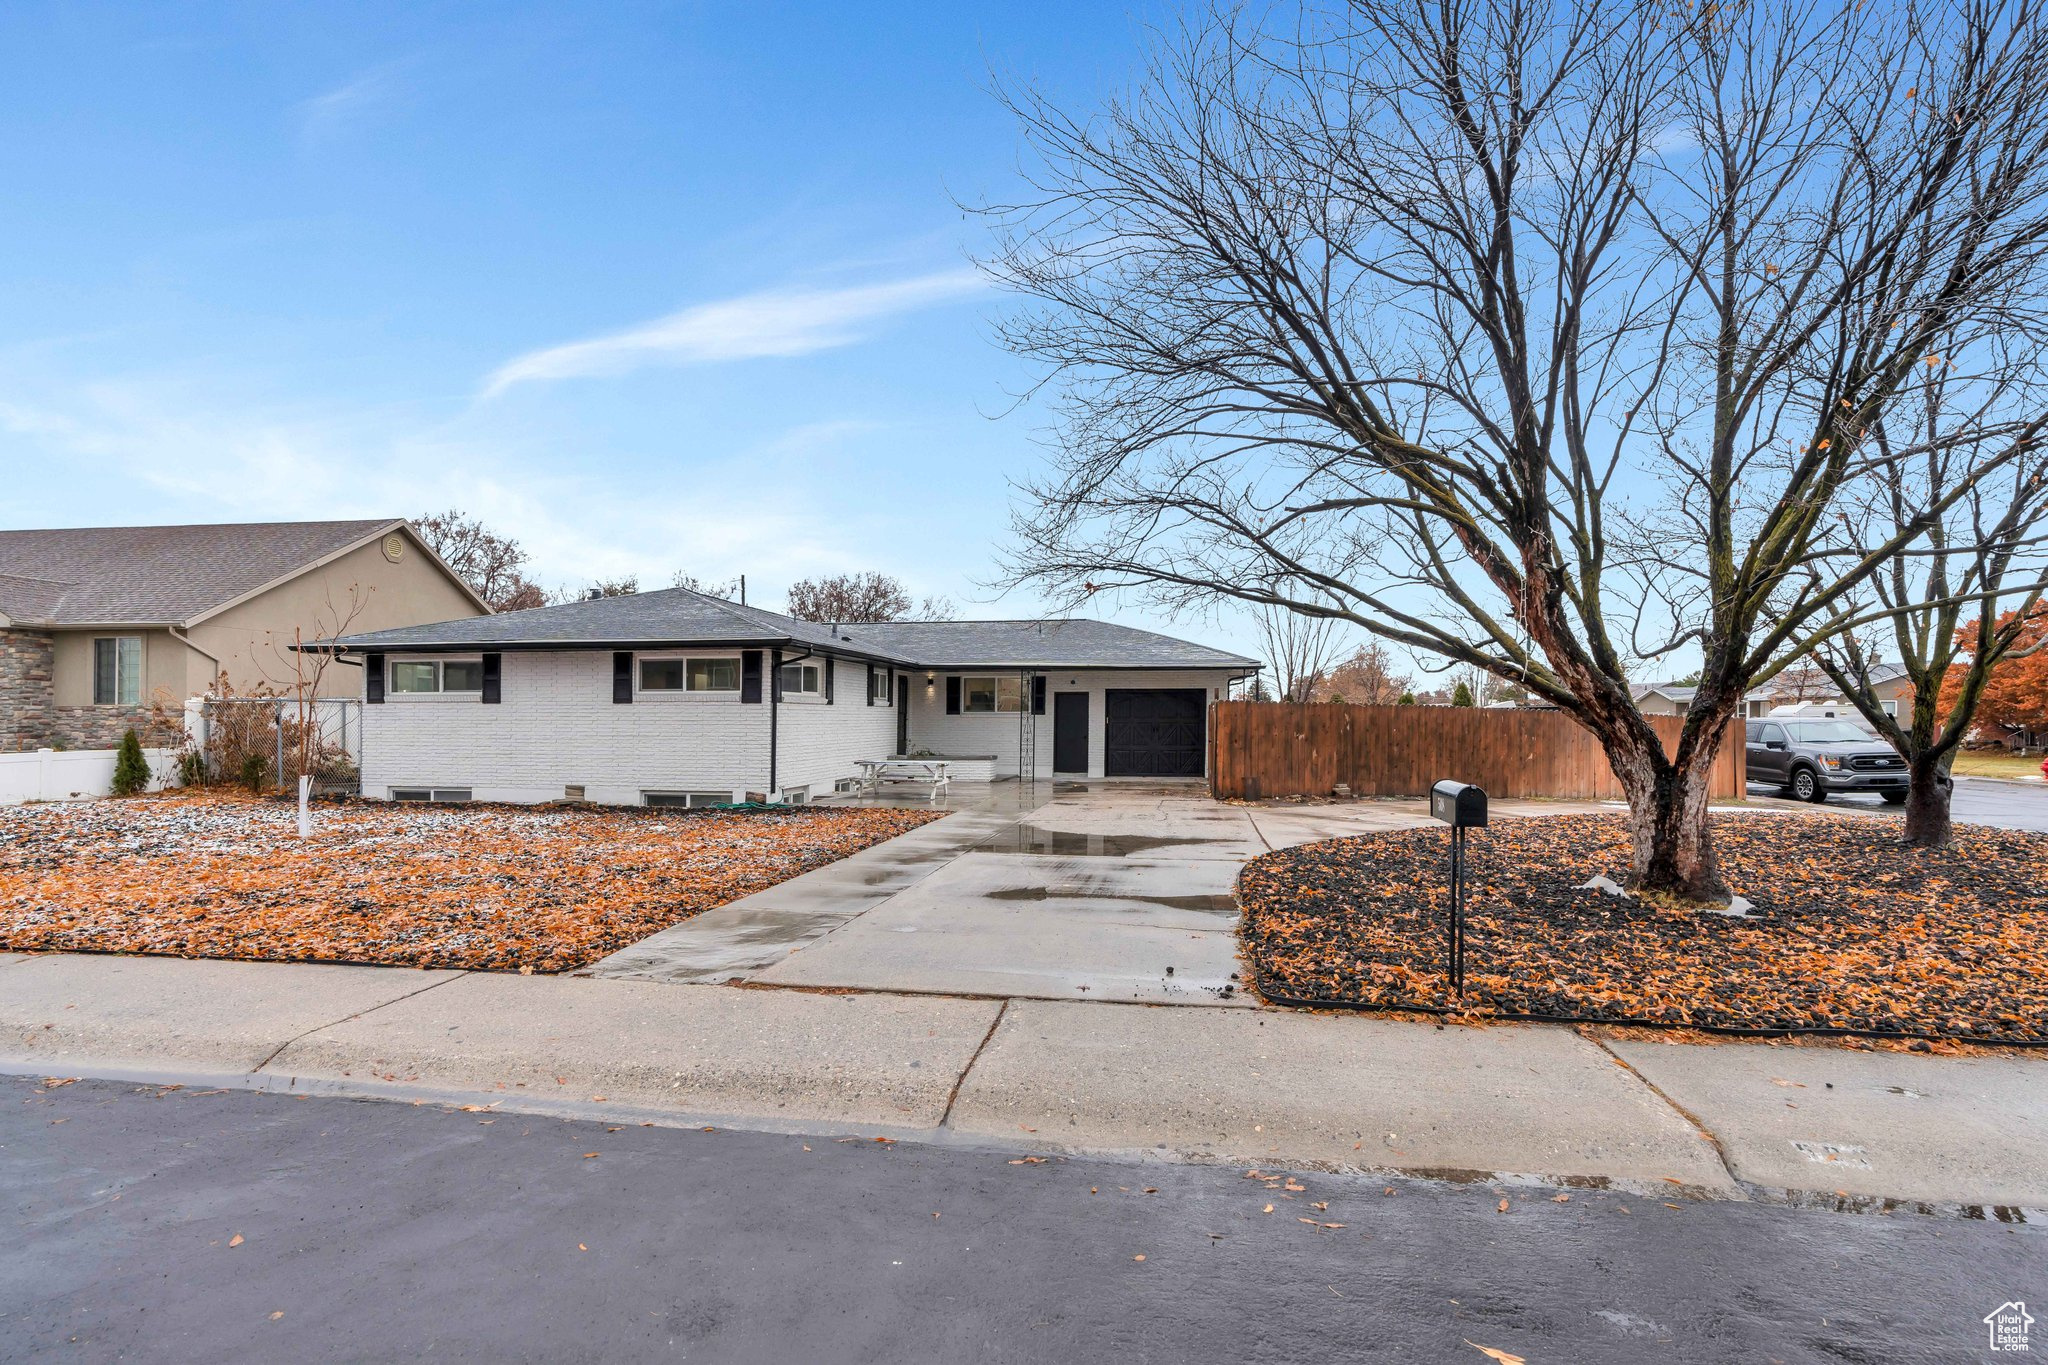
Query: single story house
point(678, 697)
point(99, 625)
point(1796, 692)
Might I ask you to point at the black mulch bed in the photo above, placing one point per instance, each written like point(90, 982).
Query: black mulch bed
point(1848, 931)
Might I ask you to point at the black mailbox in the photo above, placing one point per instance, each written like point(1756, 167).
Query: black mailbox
point(1458, 804)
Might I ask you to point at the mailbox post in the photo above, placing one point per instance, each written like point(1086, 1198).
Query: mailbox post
point(1462, 806)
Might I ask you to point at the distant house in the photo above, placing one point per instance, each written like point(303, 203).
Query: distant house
point(1796, 692)
point(99, 623)
point(680, 698)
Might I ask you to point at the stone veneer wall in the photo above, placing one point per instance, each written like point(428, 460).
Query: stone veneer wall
point(27, 665)
point(30, 719)
point(101, 727)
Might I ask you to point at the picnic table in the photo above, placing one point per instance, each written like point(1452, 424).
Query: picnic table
point(875, 771)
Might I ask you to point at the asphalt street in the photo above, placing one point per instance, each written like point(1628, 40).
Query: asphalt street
point(1977, 801)
point(155, 1224)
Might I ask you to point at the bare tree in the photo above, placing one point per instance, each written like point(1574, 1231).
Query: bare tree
point(1985, 551)
point(852, 598)
point(1299, 647)
point(728, 589)
point(493, 565)
point(1539, 337)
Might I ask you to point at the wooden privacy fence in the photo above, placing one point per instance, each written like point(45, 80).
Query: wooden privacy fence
point(1259, 749)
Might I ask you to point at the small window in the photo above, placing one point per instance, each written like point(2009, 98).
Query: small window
point(661, 675)
point(412, 675)
point(878, 686)
point(714, 675)
point(796, 796)
point(430, 793)
point(801, 679)
point(117, 671)
point(992, 694)
point(687, 798)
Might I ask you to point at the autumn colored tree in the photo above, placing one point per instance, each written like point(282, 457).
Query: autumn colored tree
point(2015, 694)
point(1367, 678)
point(1539, 338)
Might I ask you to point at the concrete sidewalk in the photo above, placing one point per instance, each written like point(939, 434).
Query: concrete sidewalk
point(1200, 1084)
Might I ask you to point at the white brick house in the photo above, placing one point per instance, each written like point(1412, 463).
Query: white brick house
point(678, 697)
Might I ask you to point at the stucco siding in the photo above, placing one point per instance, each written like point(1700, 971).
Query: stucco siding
point(252, 640)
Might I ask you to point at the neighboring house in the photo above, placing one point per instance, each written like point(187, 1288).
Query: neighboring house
point(1801, 692)
point(676, 697)
point(100, 624)
point(1663, 699)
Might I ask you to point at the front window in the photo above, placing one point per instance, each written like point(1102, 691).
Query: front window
point(117, 671)
point(416, 677)
point(992, 694)
point(1826, 732)
point(801, 679)
point(689, 675)
point(878, 686)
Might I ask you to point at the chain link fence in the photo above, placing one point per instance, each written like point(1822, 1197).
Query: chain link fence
point(268, 743)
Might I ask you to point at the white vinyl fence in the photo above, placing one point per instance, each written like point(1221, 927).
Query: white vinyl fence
point(70, 774)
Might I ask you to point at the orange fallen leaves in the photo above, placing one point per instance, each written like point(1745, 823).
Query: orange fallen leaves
point(1850, 931)
point(212, 874)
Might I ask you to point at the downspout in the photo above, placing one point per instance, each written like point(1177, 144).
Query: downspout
point(177, 633)
point(774, 682)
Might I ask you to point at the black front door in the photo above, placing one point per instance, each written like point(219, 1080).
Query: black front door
point(902, 713)
point(1154, 731)
point(1070, 732)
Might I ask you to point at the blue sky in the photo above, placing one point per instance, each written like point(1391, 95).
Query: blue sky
point(652, 287)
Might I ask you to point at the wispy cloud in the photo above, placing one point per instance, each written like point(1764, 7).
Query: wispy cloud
point(329, 112)
point(777, 322)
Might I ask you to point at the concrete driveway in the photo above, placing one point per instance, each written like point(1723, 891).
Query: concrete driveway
point(1109, 891)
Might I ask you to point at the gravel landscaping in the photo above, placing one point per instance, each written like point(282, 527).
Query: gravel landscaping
point(1849, 931)
point(501, 887)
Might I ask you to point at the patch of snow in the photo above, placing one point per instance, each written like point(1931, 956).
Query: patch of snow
point(1601, 883)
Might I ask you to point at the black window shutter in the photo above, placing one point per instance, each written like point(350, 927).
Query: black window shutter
point(494, 673)
point(373, 678)
point(871, 684)
point(622, 676)
point(952, 696)
point(750, 675)
point(1038, 695)
point(828, 678)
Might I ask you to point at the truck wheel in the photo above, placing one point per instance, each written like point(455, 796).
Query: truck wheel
point(1894, 798)
point(1806, 786)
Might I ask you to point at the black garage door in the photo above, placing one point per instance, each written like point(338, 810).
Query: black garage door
point(1154, 731)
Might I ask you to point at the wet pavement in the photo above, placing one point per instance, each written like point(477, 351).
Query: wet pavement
point(1977, 801)
point(1070, 891)
point(223, 1226)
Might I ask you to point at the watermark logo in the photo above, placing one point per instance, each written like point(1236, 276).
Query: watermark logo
point(2008, 1324)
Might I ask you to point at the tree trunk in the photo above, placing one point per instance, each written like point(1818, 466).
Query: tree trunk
point(1667, 804)
point(1927, 802)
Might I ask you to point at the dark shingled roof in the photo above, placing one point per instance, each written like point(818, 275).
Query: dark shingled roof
point(1043, 644)
point(678, 616)
point(157, 575)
